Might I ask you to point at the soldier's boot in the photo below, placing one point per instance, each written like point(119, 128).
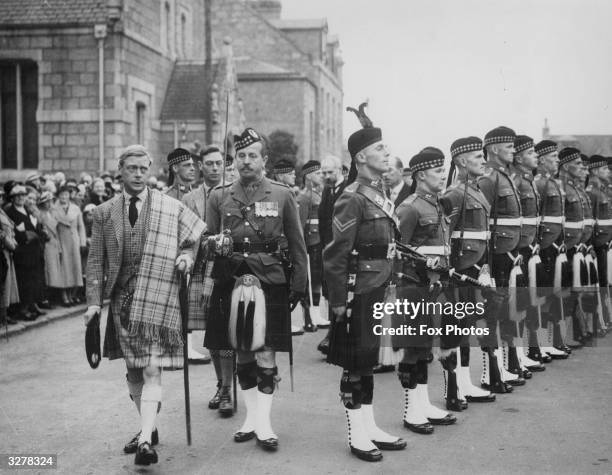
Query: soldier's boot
point(535, 353)
point(434, 415)
point(247, 378)
point(414, 417)
point(309, 326)
point(503, 362)
point(526, 362)
point(266, 438)
point(553, 352)
point(379, 437)
point(466, 390)
point(226, 406)
point(491, 378)
point(451, 390)
point(514, 363)
point(359, 441)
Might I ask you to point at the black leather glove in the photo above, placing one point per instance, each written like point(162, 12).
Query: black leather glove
point(295, 298)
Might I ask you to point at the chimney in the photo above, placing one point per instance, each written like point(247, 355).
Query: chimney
point(269, 9)
point(545, 130)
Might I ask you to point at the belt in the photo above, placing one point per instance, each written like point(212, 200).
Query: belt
point(370, 251)
point(255, 247)
point(312, 221)
point(507, 221)
point(574, 224)
point(477, 235)
point(532, 221)
point(553, 219)
point(589, 222)
point(434, 250)
point(604, 222)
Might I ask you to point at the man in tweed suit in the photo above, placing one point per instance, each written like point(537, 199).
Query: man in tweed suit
point(140, 238)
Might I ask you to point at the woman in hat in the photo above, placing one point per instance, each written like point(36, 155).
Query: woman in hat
point(28, 257)
point(71, 233)
point(9, 295)
point(53, 252)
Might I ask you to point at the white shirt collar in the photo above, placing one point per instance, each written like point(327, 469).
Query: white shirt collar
point(141, 196)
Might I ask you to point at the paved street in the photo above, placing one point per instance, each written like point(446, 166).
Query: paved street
point(52, 402)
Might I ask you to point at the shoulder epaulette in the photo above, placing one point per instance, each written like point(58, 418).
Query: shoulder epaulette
point(279, 183)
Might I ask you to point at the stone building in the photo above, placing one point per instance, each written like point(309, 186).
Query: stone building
point(68, 67)
point(289, 73)
point(587, 144)
point(81, 79)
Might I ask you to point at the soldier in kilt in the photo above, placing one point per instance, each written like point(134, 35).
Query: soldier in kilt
point(139, 240)
point(212, 168)
point(261, 217)
point(361, 251)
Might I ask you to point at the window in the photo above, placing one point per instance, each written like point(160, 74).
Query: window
point(18, 103)
point(183, 35)
point(141, 110)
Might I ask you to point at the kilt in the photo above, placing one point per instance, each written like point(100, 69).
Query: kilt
point(413, 293)
point(278, 318)
point(137, 354)
point(198, 307)
point(358, 348)
point(550, 310)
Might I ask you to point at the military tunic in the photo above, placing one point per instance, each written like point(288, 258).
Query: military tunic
point(602, 213)
point(423, 227)
point(362, 221)
point(178, 191)
point(308, 203)
point(262, 219)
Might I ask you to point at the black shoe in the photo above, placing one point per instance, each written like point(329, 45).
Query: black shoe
point(558, 357)
point(380, 368)
point(447, 420)
point(132, 446)
point(226, 408)
point(36, 309)
point(523, 373)
point(520, 381)
point(426, 428)
point(323, 347)
point(373, 455)
point(271, 444)
point(216, 399)
point(26, 316)
point(487, 398)
point(244, 436)
point(45, 304)
point(145, 455)
point(498, 388)
point(565, 348)
point(399, 444)
point(455, 405)
point(536, 368)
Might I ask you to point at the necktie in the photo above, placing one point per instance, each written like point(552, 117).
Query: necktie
point(133, 211)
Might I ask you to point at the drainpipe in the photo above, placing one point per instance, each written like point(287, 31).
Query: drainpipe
point(208, 70)
point(100, 34)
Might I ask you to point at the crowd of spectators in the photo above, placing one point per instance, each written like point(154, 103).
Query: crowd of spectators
point(45, 229)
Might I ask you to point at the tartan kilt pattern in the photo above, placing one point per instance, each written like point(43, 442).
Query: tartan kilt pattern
point(137, 352)
point(358, 348)
point(278, 318)
point(199, 298)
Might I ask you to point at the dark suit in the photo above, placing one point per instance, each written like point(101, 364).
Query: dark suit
point(326, 211)
point(402, 195)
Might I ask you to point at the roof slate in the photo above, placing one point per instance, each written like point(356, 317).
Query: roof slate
point(52, 12)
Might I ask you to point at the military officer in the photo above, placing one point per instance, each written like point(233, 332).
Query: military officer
point(468, 210)
point(361, 252)
point(309, 200)
point(505, 223)
point(424, 228)
point(599, 175)
point(262, 218)
point(182, 173)
point(283, 171)
point(570, 174)
point(550, 239)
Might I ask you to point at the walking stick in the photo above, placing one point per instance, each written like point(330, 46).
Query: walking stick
point(234, 371)
point(184, 305)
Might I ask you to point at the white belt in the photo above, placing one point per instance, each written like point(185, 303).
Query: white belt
point(574, 224)
point(589, 222)
point(553, 219)
point(312, 221)
point(478, 235)
point(531, 221)
point(604, 222)
point(434, 250)
point(506, 221)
